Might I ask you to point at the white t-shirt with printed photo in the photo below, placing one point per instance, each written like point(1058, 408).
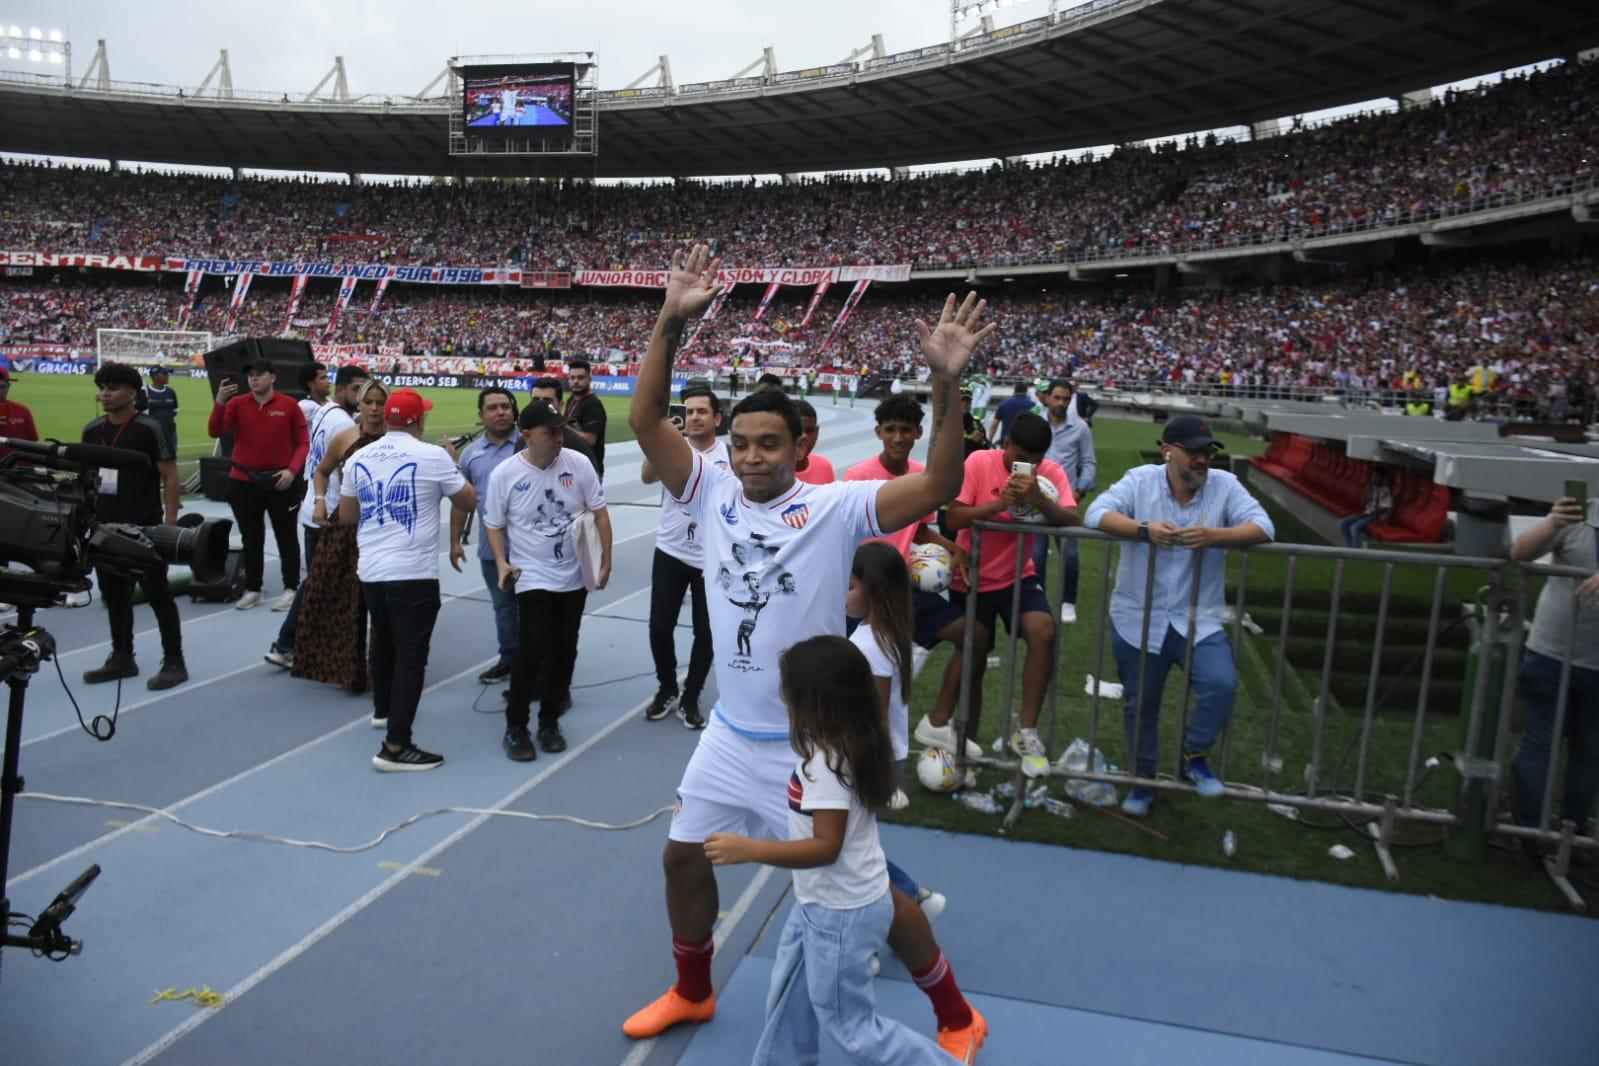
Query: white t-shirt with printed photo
point(860, 874)
point(775, 574)
point(399, 481)
point(536, 508)
point(679, 532)
point(325, 423)
point(883, 666)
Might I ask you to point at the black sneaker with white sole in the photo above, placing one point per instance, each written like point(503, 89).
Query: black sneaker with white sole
point(660, 706)
point(408, 758)
point(688, 711)
point(518, 744)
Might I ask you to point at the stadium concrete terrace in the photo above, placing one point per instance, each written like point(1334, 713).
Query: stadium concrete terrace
point(1108, 72)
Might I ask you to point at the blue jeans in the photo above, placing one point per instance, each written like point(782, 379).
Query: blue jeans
point(1353, 527)
point(506, 624)
point(1539, 684)
point(1213, 677)
point(821, 980)
point(1069, 569)
point(291, 621)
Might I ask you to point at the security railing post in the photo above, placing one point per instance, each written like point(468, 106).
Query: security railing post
point(1371, 680)
point(1014, 638)
point(1056, 646)
point(1562, 695)
point(1507, 696)
point(1104, 624)
point(1143, 664)
point(1433, 618)
point(968, 657)
point(1188, 659)
point(1238, 650)
point(1324, 691)
point(1479, 698)
point(1268, 758)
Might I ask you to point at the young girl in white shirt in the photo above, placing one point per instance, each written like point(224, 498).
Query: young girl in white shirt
point(842, 907)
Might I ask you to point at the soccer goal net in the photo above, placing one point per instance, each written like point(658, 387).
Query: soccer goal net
point(177, 350)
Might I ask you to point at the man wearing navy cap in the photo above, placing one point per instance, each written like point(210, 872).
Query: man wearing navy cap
point(1176, 508)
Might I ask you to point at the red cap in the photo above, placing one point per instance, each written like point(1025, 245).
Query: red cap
point(405, 406)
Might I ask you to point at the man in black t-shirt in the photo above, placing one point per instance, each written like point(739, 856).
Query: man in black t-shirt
point(142, 497)
point(161, 404)
point(584, 411)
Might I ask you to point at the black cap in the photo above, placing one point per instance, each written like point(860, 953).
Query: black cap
point(1189, 432)
point(260, 366)
point(158, 370)
point(536, 415)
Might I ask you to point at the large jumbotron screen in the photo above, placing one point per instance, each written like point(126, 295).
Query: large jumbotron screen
point(532, 100)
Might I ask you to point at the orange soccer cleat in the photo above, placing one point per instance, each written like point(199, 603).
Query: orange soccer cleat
point(672, 1009)
point(963, 1043)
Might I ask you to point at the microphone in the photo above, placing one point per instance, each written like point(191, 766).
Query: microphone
point(93, 455)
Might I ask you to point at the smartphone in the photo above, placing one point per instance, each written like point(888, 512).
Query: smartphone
point(677, 414)
point(1577, 489)
point(1020, 469)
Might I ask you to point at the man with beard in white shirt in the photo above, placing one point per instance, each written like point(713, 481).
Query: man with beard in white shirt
point(680, 568)
point(390, 492)
point(534, 499)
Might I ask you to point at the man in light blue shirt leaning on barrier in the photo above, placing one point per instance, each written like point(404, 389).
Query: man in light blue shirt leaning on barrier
point(1177, 507)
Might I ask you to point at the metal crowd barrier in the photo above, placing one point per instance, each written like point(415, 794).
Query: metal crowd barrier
point(1481, 758)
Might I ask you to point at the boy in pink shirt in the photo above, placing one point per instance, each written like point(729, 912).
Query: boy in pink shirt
point(811, 468)
point(990, 490)
point(899, 427)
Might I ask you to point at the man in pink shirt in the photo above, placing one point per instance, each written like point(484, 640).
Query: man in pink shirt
point(811, 468)
point(991, 489)
point(899, 427)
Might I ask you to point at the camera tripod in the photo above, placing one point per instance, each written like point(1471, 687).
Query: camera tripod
point(23, 647)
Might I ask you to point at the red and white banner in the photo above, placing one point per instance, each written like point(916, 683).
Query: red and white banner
point(806, 276)
point(816, 300)
point(191, 292)
point(377, 298)
point(334, 352)
point(855, 295)
point(82, 259)
point(296, 294)
point(766, 301)
point(346, 290)
point(241, 288)
point(716, 304)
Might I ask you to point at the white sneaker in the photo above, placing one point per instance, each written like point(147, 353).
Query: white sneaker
point(943, 736)
point(898, 801)
point(1068, 613)
point(77, 599)
point(379, 723)
point(285, 601)
point(248, 600)
point(932, 903)
point(1027, 746)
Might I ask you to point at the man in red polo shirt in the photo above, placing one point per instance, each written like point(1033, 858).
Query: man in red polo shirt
point(270, 443)
point(15, 419)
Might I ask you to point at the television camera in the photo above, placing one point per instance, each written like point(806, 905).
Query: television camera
point(50, 541)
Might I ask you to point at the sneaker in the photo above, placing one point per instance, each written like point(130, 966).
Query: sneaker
point(1068, 613)
point(671, 1009)
point(1028, 748)
point(688, 711)
point(1198, 774)
point(500, 671)
point(117, 665)
point(407, 758)
point(379, 723)
point(943, 736)
point(660, 706)
point(280, 657)
point(77, 599)
point(285, 601)
point(963, 1043)
point(172, 673)
point(518, 744)
point(898, 801)
point(550, 738)
point(248, 600)
point(1137, 802)
point(932, 903)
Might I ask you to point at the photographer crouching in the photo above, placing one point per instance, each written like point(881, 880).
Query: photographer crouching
point(143, 497)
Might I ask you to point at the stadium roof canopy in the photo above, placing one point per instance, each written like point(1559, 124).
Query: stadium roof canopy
point(1108, 72)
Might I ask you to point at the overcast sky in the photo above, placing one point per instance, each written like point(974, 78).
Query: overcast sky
point(397, 46)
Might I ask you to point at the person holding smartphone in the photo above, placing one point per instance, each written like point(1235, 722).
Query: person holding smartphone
point(1568, 536)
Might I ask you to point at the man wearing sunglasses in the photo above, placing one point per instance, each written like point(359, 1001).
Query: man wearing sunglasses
point(1182, 510)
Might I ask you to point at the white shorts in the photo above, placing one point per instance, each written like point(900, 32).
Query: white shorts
point(733, 784)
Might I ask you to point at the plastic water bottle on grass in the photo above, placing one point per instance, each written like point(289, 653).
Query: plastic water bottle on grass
point(1229, 844)
point(981, 802)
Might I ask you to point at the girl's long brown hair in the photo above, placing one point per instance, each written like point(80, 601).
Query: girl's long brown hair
point(882, 572)
point(832, 707)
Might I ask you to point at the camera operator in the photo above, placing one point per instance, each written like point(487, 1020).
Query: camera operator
point(142, 497)
point(269, 449)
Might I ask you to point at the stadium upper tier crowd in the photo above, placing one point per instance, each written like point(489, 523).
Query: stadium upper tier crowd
point(1536, 322)
point(1529, 136)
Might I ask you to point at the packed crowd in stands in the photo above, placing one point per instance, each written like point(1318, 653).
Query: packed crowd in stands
point(1526, 136)
point(1533, 324)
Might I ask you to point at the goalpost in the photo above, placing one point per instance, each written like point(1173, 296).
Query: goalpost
point(177, 350)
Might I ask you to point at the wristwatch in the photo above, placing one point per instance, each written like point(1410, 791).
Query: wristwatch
point(1143, 531)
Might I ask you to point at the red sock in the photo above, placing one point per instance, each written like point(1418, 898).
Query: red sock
point(694, 969)
point(938, 981)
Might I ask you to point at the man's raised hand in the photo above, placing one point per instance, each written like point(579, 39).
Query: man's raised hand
point(948, 346)
point(691, 285)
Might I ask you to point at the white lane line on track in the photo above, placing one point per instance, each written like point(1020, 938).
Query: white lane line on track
point(320, 932)
point(187, 801)
point(724, 930)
